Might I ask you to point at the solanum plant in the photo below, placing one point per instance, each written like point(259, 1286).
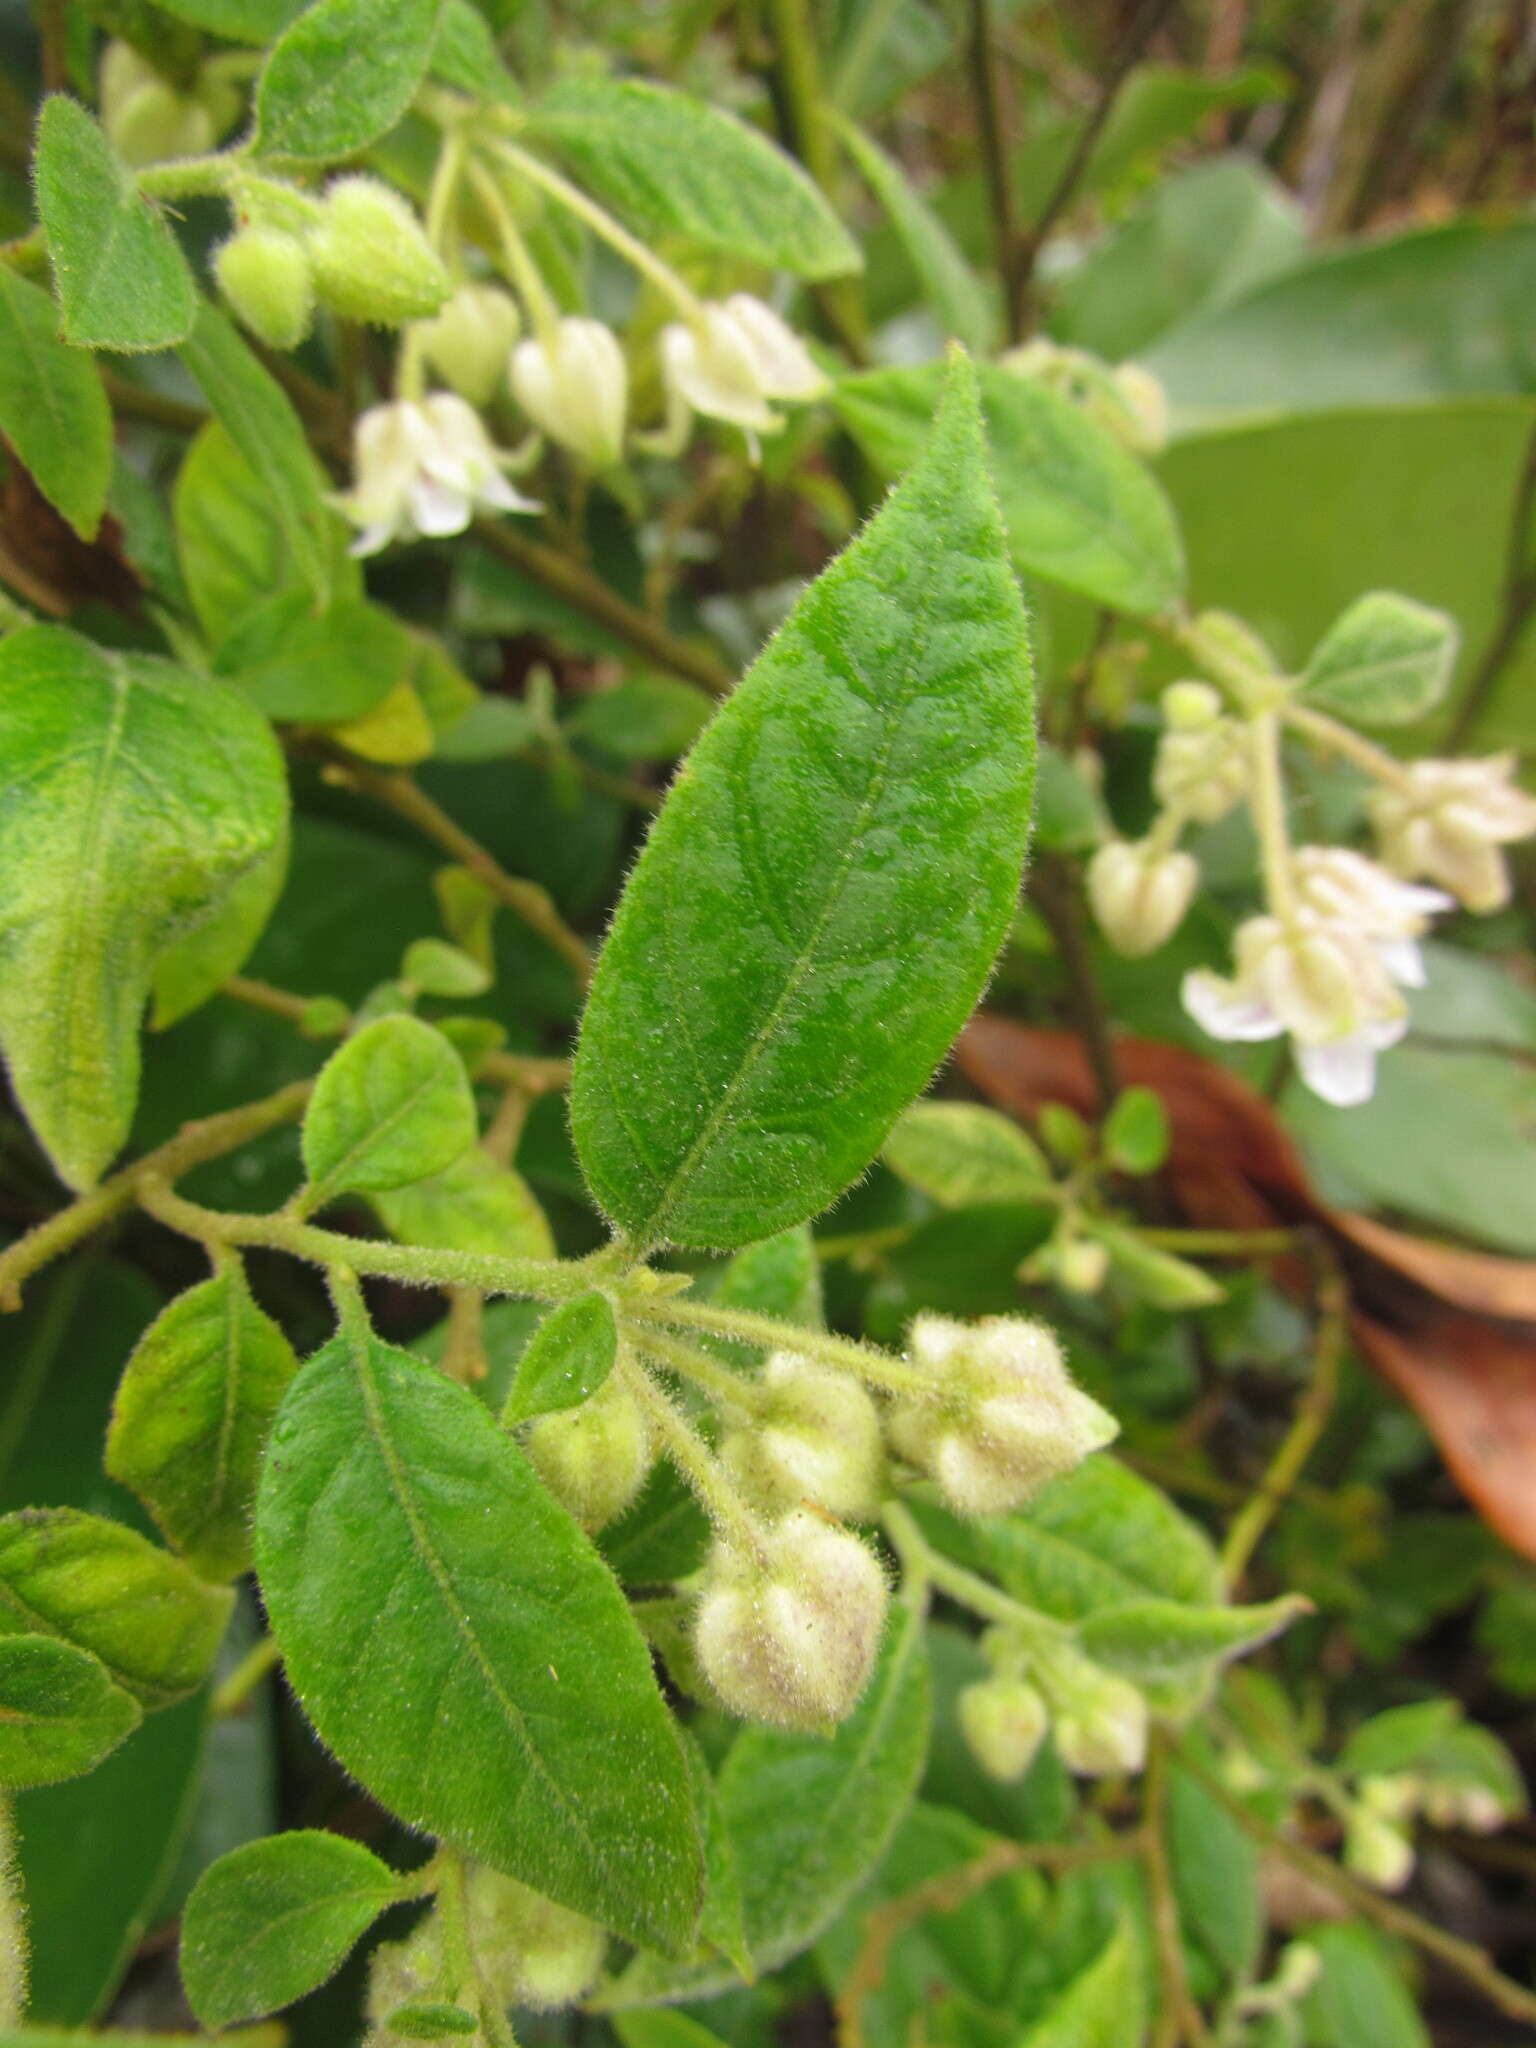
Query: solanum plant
point(647, 1620)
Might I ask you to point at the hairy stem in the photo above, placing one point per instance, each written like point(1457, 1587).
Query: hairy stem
point(708, 1479)
point(1334, 737)
point(744, 1326)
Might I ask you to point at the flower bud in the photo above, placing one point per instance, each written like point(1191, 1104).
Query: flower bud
point(533, 1952)
point(1139, 895)
point(1377, 1850)
point(1394, 1797)
point(1447, 820)
point(1004, 1721)
point(1201, 771)
point(145, 118)
point(817, 1438)
point(266, 275)
point(575, 388)
point(1190, 706)
point(1099, 1721)
point(594, 1459)
point(1082, 1265)
point(734, 359)
point(788, 1634)
point(467, 342)
point(371, 260)
point(1006, 1418)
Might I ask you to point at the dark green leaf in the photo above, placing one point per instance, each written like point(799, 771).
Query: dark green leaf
point(671, 165)
point(192, 1416)
point(272, 1920)
point(93, 1583)
point(316, 669)
point(53, 410)
point(570, 1356)
point(60, 1711)
point(644, 718)
point(802, 938)
point(391, 1106)
point(341, 76)
point(1387, 661)
point(157, 792)
point(122, 281)
point(421, 1580)
point(1215, 1871)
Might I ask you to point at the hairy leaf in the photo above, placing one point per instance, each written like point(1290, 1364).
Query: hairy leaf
point(1387, 661)
point(473, 1205)
point(461, 1647)
point(1151, 1639)
point(824, 891)
point(135, 796)
point(570, 1356)
point(53, 410)
point(391, 1106)
point(342, 75)
point(961, 1153)
point(61, 1711)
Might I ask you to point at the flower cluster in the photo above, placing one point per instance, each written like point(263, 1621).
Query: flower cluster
point(1097, 1721)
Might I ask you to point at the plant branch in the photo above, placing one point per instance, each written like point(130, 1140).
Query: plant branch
point(578, 587)
point(193, 1145)
point(1056, 892)
point(744, 1326)
point(707, 1478)
point(231, 1696)
point(1467, 1960)
point(1178, 2017)
point(992, 128)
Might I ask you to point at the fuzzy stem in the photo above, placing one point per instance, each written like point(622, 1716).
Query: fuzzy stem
point(521, 268)
point(744, 1326)
point(708, 1479)
point(231, 1695)
point(1267, 802)
point(1337, 738)
point(720, 1385)
point(967, 1588)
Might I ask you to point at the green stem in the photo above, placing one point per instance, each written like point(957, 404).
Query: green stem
point(521, 268)
point(1267, 802)
point(232, 1694)
point(193, 1145)
point(14, 1955)
point(964, 1587)
point(744, 1326)
point(708, 1479)
point(438, 221)
point(415, 1265)
point(1336, 738)
point(1223, 1244)
point(722, 1387)
point(190, 177)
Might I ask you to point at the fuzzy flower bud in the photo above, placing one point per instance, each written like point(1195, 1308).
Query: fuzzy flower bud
point(737, 358)
point(1139, 894)
point(423, 469)
point(1004, 1722)
point(594, 1459)
point(467, 342)
point(371, 260)
point(1448, 821)
point(575, 388)
point(1377, 1850)
point(817, 1438)
point(1201, 767)
point(1099, 1721)
point(1191, 706)
point(266, 275)
point(146, 119)
point(1008, 1418)
point(788, 1635)
point(534, 1952)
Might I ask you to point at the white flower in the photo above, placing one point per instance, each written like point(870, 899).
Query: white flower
point(467, 343)
point(1347, 889)
point(423, 467)
point(1323, 982)
point(1140, 893)
point(575, 388)
point(734, 360)
point(1448, 821)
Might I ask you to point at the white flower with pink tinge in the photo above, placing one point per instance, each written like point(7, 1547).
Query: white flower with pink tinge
point(1447, 821)
point(423, 466)
point(1322, 981)
point(1345, 888)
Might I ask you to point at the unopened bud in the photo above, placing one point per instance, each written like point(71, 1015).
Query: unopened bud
point(594, 1459)
point(1462, 1803)
point(1377, 1850)
point(533, 1952)
point(817, 1438)
point(574, 386)
point(1081, 1265)
point(1144, 409)
point(1394, 1797)
point(1004, 1721)
point(467, 342)
point(1005, 1416)
point(1201, 770)
point(1099, 1721)
point(145, 118)
point(1190, 706)
point(788, 1634)
point(371, 260)
point(1139, 895)
point(266, 275)
point(1298, 1968)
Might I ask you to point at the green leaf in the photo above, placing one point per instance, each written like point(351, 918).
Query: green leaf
point(464, 55)
point(53, 409)
point(720, 1923)
point(809, 1818)
point(93, 1583)
point(60, 1711)
point(1135, 1135)
point(670, 165)
point(195, 966)
point(1387, 661)
point(341, 76)
point(825, 889)
point(570, 1356)
point(1152, 1639)
point(122, 281)
point(274, 1919)
point(255, 412)
point(1397, 1739)
point(1160, 1278)
point(192, 1415)
point(643, 718)
point(662, 2028)
point(242, 21)
point(1103, 2007)
point(1215, 1872)
point(391, 1106)
point(961, 1153)
point(780, 1276)
point(438, 969)
point(316, 669)
point(1360, 1996)
point(1080, 510)
point(419, 1578)
point(950, 286)
point(137, 796)
point(473, 1205)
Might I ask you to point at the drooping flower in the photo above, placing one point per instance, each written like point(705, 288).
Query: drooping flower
point(1322, 981)
point(467, 342)
point(735, 361)
point(1447, 822)
point(423, 467)
point(1345, 888)
point(574, 386)
point(1140, 892)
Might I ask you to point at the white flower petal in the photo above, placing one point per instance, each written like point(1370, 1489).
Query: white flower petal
point(1342, 1072)
point(437, 508)
point(1223, 1010)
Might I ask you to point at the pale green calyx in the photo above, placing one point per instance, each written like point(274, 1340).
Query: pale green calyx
point(594, 1459)
point(1139, 892)
point(267, 277)
point(573, 384)
point(371, 260)
point(1004, 1721)
point(467, 342)
point(816, 1438)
